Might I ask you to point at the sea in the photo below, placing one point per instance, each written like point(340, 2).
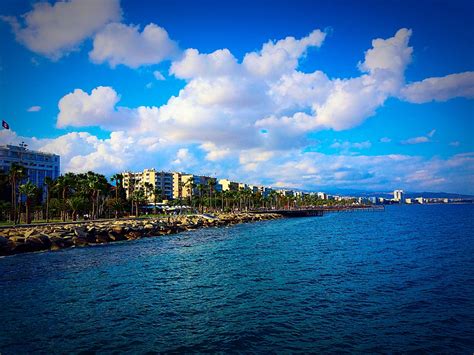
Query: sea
point(396, 281)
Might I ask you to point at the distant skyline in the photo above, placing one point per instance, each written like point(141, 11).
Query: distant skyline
point(314, 95)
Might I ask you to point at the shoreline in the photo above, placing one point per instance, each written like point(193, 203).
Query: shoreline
point(57, 236)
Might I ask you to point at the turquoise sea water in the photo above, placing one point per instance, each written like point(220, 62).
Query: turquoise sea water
point(395, 281)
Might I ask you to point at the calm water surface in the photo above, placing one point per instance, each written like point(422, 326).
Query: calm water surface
point(401, 280)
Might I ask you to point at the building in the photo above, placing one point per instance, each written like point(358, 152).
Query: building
point(322, 196)
point(38, 165)
point(420, 200)
point(186, 185)
point(158, 179)
point(226, 185)
point(398, 196)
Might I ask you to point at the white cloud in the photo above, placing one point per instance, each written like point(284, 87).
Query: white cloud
point(121, 44)
point(421, 139)
point(184, 159)
point(34, 109)
point(440, 89)
point(55, 30)
point(213, 152)
point(455, 143)
point(277, 58)
point(391, 54)
point(346, 145)
point(81, 151)
point(251, 124)
point(79, 109)
point(194, 64)
point(385, 140)
point(158, 76)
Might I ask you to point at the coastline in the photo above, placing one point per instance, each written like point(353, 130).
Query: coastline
point(57, 236)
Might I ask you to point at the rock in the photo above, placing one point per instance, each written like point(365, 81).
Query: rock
point(118, 229)
point(29, 232)
point(80, 232)
point(102, 238)
point(116, 236)
point(80, 241)
point(18, 239)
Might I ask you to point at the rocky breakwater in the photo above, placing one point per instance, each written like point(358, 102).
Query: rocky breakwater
point(15, 240)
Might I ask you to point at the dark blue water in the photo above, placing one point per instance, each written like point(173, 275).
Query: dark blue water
point(401, 280)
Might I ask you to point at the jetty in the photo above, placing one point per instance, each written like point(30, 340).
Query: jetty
point(320, 210)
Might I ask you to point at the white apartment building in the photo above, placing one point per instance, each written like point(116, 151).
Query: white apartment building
point(398, 195)
point(158, 179)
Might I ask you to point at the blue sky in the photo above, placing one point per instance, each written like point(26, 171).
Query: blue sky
point(308, 94)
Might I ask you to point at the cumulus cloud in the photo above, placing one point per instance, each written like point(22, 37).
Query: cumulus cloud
point(34, 109)
point(440, 89)
point(80, 109)
point(251, 119)
point(81, 151)
point(194, 64)
point(277, 58)
point(118, 43)
point(54, 30)
point(391, 54)
point(213, 153)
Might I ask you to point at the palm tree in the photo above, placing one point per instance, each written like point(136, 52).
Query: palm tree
point(190, 185)
point(118, 182)
point(157, 192)
point(148, 186)
point(48, 183)
point(29, 190)
point(201, 190)
point(64, 184)
point(138, 197)
point(181, 185)
point(16, 173)
point(76, 203)
point(211, 183)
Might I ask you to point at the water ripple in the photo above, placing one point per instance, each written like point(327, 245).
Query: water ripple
point(399, 281)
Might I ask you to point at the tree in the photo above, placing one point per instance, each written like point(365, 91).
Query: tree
point(64, 184)
point(148, 186)
point(118, 178)
point(29, 191)
point(48, 183)
point(157, 192)
point(76, 203)
point(211, 183)
point(16, 173)
point(138, 198)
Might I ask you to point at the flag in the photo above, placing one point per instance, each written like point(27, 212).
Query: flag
point(5, 125)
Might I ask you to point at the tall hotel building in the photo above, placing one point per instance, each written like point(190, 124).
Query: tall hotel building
point(38, 165)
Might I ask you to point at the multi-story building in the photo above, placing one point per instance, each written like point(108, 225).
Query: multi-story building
point(160, 180)
point(322, 196)
point(398, 195)
point(38, 165)
point(186, 185)
point(226, 185)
